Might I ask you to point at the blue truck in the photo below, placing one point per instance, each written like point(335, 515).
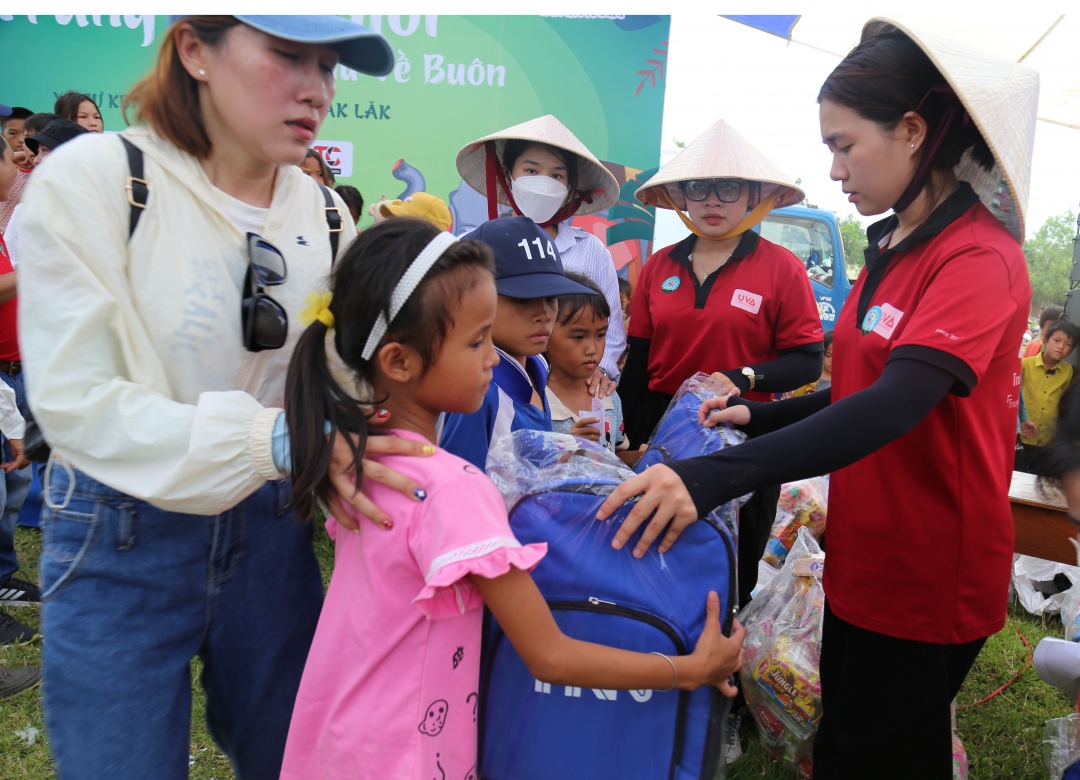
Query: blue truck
point(813, 236)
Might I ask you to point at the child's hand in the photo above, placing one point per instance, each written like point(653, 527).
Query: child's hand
point(1029, 429)
point(586, 428)
point(631, 457)
point(715, 657)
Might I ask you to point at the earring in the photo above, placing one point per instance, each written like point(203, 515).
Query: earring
point(912, 146)
point(203, 73)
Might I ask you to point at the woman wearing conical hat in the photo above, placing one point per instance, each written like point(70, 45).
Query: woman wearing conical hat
point(919, 426)
point(540, 170)
point(724, 300)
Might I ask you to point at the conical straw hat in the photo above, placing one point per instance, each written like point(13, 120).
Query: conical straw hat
point(592, 175)
point(1002, 98)
point(719, 153)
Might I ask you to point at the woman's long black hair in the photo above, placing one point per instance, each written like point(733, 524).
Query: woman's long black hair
point(362, 284)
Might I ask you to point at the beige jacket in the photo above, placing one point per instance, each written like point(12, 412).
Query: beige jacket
point(134, 362)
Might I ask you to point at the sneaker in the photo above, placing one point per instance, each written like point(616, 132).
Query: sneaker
point(732, 743)
point(19, 593)
point(16, 680)
point(12, 632)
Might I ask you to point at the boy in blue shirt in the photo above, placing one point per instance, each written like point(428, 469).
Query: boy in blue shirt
point(529, 277)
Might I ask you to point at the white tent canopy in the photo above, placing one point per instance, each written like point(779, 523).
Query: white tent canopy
point(1041, 39)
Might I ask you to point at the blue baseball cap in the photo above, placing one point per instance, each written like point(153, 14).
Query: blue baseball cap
point(527, 264)
point(5, 110)
point(360, 48)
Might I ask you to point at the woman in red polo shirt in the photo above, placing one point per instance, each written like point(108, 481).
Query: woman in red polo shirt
point(723, 300)
point(919, 425)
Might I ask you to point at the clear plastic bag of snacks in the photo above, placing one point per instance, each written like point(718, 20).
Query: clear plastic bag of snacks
point(781, 674)
point(802, 504)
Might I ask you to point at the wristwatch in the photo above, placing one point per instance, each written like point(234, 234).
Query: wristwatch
point(748, 372)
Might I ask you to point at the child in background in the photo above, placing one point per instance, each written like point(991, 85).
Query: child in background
point(825, 381)
point(422, 205)
point(626, 295)
point(1044, 378)
point(528, 276)
point(396, 657)
point(573, 353)
point(1046, 316)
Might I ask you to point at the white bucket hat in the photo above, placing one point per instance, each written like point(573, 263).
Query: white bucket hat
point(1002, 99)
point(597, 187)
point(720, 153)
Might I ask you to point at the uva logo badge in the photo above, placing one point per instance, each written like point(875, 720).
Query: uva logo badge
point(747, 301)
point(882, 320)
point(671, 284)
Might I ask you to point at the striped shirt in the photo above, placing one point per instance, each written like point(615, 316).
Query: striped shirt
point(584, 253)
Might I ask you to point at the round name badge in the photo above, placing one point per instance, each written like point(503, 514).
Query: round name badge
point(671, 284)
point(873, 317)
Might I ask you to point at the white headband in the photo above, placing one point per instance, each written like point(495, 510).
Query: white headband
point(406, 286)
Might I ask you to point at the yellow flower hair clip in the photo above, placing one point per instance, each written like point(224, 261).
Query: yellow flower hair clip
point(317, 308)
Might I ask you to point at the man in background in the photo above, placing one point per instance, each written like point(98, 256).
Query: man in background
point(15, 482)
point(12, 119)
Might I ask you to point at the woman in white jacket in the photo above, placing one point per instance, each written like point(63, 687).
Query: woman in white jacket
point(156, 355)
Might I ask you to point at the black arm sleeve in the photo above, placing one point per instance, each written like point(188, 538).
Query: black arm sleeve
point(634, 387)
point(769, 416)
point(794, 368)
point(837, 436)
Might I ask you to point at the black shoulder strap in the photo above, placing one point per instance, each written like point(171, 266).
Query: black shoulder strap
point(138, 191)
point(333, 220)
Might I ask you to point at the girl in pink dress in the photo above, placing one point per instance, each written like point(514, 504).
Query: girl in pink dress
point(390, 686)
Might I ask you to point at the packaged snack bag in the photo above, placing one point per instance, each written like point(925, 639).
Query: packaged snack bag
point(802, 504)
point(781, 674)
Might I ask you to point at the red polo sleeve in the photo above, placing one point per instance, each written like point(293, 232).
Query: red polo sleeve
point(798, 321)
point(966, 307)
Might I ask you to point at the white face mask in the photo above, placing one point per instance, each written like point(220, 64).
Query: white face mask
point(538, 197)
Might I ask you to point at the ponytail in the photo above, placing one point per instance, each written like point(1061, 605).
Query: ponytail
point(314, 400)
point(317, 408)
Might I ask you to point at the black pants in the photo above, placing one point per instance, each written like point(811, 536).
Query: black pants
point(885, 704)
point(1032, 459)
point(756, 518)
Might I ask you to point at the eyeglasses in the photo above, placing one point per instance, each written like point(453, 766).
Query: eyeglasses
point(727, 190)
point(262, 319)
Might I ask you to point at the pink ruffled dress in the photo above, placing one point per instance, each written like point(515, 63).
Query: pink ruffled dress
point(390, 687)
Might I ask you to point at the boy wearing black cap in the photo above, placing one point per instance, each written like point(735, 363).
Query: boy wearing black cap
point(529, 277)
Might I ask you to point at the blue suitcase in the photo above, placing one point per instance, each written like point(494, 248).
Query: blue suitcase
point(532, 730)
point(679, 434)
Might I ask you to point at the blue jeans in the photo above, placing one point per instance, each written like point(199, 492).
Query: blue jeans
point(13, 489)
point(133, 592)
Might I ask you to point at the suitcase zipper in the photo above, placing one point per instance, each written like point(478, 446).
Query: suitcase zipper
point(594, 604)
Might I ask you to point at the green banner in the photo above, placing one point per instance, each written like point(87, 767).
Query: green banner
point(456, 78)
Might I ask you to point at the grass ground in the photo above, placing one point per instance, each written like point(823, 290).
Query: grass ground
point(1003, 737)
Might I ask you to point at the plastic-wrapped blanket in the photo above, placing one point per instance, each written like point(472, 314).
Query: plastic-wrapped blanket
point(679, 435)
point(553, 485)
point(781, 674)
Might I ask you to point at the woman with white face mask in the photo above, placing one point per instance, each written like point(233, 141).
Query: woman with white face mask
point(538, 169)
